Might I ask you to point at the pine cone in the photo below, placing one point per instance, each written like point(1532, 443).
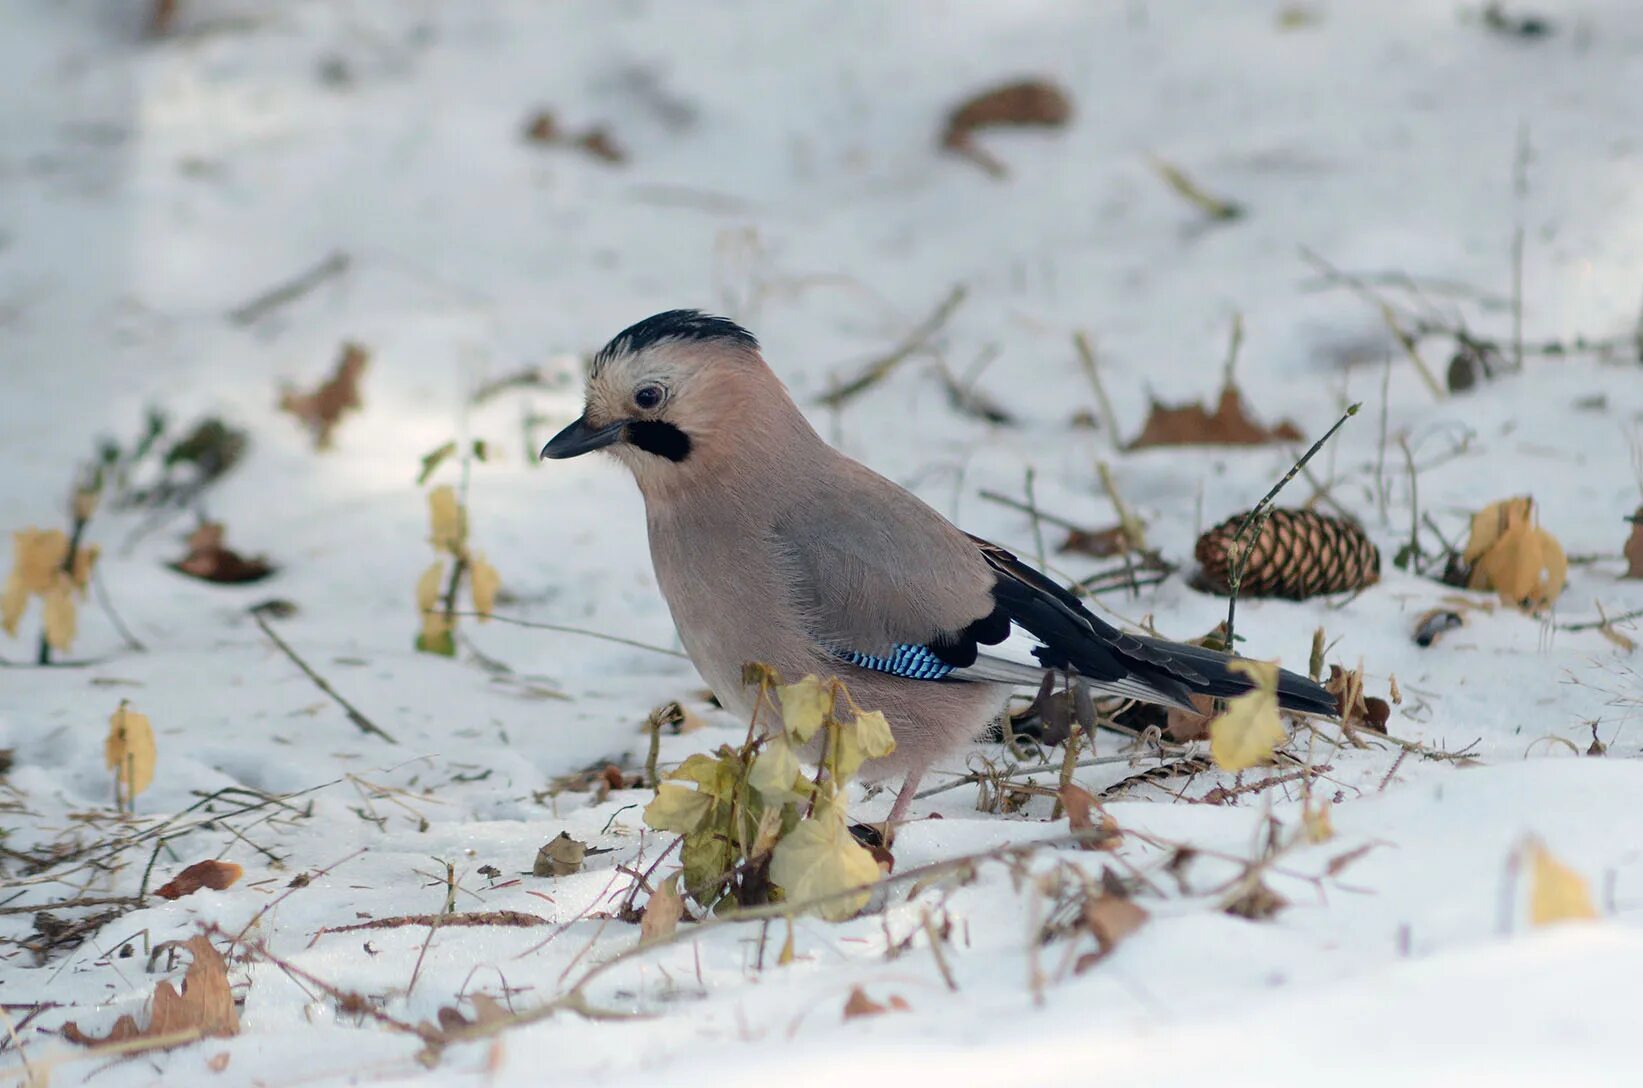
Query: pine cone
point(1299, 554)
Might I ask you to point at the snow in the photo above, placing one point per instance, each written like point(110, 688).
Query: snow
point(782, 168)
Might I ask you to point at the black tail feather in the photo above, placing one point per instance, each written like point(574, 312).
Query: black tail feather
point(1295, 692)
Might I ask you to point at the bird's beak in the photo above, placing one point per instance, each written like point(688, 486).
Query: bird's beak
point(579, 438)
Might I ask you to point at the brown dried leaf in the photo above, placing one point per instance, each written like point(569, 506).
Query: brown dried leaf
point(1183, 726)
point(1084, 813)
point(859, 1004)
point(1634, 547)
point(662, 911)
point(212, 874)
point(210, 561)
point(560, 857)
point(323, 409)
point(1194, 425)
point(205, 1006)
point(1109, 918)
point(1097, 543)
point(1033, 102)
point(1355, 709)
point(1257, 903)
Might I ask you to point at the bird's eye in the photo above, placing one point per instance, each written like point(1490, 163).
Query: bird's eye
point(647, 397)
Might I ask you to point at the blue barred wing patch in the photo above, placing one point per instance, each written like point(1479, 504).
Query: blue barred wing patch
point(906, 659)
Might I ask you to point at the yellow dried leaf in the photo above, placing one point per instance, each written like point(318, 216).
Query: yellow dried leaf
point(84, 559)
point(59, 618)
point(678, 808)
point(868, 737)
point(1510, 554)
point(820, 857)
point(427, 587)
point(775, 771)
point(13, 603)
point(1316, 823)
point(805, 705)
point(129, 751)
point(662, 912)
point(1493, 522)
point(447, 520)
point(1556, 892)
point(1248, 731)
point(39, 556)
point(486, 581)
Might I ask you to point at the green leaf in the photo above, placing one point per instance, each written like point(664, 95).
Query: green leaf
point(431, 461)
point(805, 706)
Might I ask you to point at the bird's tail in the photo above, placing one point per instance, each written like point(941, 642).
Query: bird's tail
point(1204, 672)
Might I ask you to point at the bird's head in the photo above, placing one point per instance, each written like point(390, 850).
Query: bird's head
point(669, 396)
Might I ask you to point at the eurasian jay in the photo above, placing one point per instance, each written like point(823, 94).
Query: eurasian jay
point(771, 546)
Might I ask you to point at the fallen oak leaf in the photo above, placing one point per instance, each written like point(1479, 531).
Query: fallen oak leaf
point(1194, 425)
point(321, 410)
point(859, 1004)
point(1084, 813)
point(213, 874)
point(209, 560)
point(205, 1007)
point(1109, 918)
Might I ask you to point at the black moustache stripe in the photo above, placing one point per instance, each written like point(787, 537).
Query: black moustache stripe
point(659, 437)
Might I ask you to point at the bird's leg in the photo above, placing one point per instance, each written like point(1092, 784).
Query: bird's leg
point(904, 798)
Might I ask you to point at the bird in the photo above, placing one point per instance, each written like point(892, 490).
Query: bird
point(771, 546)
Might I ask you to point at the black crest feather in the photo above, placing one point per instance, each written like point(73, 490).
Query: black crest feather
point(673, 325)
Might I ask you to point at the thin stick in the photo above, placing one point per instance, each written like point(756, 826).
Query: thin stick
point(1086, 356)
point(1520, 191)
point(1235, 343)
point(289, 291)
point(1593, 625)
point(583, 631)
point(1017, 504)
point(100, 587)
point(1032, 510)
point(1257, 519)
point(881, 368)
point(366, 725)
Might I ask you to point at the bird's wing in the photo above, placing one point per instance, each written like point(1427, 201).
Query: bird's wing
point(891, 586)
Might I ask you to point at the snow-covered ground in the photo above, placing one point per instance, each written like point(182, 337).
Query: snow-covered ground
point(782, 167)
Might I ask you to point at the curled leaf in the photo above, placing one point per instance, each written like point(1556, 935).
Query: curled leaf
point(446, 519)
point(129, 751)
point(1512, 555)
point(59, 618)
point(486, 581)
point(427, 587)
point(662, 912)
point(213, 874)
point(867, 737)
